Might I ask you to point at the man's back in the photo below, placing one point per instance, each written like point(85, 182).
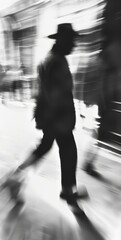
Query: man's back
point(55, 84)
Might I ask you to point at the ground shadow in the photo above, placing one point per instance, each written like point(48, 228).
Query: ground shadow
point(88, 230)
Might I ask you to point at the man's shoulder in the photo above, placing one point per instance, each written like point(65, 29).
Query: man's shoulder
point(54, 58)
point(51, 61)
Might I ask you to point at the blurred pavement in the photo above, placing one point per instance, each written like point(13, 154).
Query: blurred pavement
point(18, 137)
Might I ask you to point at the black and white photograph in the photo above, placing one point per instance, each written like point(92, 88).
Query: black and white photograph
point(60, 120)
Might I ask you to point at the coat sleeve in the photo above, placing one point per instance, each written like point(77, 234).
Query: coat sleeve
point(59, 85)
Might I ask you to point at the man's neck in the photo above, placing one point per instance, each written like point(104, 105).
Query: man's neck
point(57, 49)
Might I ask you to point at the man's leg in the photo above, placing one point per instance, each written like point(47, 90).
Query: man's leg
point(43, 148)
point(68, 157)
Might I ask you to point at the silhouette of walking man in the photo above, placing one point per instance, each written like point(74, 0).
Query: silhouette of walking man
point(55, 112)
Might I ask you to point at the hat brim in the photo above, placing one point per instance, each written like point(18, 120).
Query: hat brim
point(56, 35)
point(53, 36)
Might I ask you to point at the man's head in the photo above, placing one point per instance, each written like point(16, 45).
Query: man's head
point(65, 37)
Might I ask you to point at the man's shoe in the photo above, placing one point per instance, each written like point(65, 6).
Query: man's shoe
point(90, 169)
point(69, 196)
point(74, 196)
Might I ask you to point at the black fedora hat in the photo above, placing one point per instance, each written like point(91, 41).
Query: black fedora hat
point(64, 30)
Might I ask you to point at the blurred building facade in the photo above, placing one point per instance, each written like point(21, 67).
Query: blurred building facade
point(26, 24)
point(110, 129)
point(19, 29)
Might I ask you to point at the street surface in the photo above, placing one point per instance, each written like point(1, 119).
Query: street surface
point(18, 137)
